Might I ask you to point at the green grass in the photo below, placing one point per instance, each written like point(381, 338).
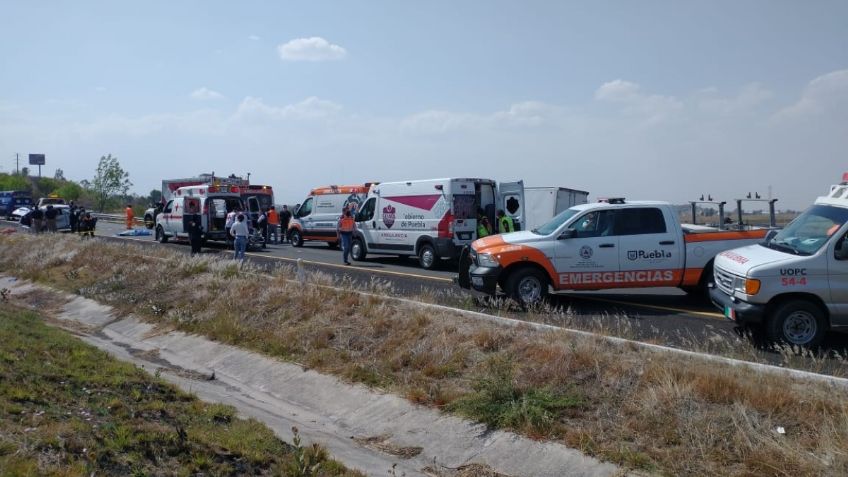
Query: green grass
point(67, 408)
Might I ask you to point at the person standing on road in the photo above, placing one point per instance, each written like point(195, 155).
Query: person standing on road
point(484, 228)
point(239, 231)
point(285, 218)
point(195, 233)
point(346, 226)
point(262, 223)
point(50, 218)
point(228, 224)
point(505, 223)
point(73, 218)
point(87, 224)
point(130, 217)
point(274, 224)
point(37, 218)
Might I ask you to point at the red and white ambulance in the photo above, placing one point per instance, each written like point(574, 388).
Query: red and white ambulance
point(431, 219)
point(318, 215)
point(610, 244)
point(210, 202)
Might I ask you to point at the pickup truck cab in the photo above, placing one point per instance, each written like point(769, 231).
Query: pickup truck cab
point(795, 283)
point(609, 244)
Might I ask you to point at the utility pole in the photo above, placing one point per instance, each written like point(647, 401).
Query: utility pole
point(17, 164)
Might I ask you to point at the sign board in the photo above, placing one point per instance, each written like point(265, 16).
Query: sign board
point(36, 159)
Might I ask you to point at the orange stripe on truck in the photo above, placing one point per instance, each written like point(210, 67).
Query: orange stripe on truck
point(734, 235)
point(509, 254)
point(692, 276)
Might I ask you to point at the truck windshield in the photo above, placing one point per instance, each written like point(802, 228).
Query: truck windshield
point(809, 231)
point(555, 222)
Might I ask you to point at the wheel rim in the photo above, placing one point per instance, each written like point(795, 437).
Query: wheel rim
point(355, 250)
point(800, 327)
point(427, 258)
point(296, 237)
point(158, 234)
point(529, 289)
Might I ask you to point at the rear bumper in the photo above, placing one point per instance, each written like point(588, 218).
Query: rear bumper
point(735, 310)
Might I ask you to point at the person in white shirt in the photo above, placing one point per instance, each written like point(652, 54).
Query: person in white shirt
point(231, 219)
point(240, 232)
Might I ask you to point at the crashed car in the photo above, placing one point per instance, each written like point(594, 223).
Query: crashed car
point(18, 213)
point(63, 216)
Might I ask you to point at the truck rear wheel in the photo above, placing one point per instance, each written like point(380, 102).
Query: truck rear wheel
point(148, 222)
point(797, 323)
point(296, 238)
point(527, 286)
point(427, 256)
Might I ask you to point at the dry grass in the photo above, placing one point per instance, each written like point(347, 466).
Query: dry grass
point(637, 408)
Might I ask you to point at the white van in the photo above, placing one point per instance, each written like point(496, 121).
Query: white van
point(431, 219)
point(318, 216)
point(211, 202)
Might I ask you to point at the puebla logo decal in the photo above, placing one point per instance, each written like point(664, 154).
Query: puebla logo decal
point(389, 216)
point(586, 252)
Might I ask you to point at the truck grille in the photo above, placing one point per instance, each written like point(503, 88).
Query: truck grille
point(725, 280)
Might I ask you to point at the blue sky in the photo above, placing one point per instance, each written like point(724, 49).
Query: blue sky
point(653, 100)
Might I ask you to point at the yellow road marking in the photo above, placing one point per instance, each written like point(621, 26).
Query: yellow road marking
point(315, 262)
point(713, 315)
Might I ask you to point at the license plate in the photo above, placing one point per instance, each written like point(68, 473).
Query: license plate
point(477, 281)
point(730, 313)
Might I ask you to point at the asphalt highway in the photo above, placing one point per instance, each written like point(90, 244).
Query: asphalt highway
point(657, 315)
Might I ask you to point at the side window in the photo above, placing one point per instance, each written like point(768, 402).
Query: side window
point(840, 252)
point(168, 206)
point(639, 221)
point(597, 223)
point(366, 213)
point(306, 208)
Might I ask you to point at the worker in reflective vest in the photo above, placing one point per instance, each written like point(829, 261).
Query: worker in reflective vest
point(130, 217)
point(484, 228)
point(505, 223)
point(346, 226)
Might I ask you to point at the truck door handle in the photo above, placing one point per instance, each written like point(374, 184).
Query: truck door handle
point(667, 242)
point(374, 224)
point(606, 245)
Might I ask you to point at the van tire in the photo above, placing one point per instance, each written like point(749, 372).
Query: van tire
point(160, 235)
point(527, 286)
point(797, 323)
point(357, 250)
point(149, 222)
point(427, 257)
point(296, 238)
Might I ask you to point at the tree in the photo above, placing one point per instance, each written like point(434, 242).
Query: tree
point(59, 175)
point(69, 190)
point(109, 180)
point(25, 171)
point(155, 196)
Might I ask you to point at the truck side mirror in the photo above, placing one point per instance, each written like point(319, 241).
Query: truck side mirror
point(769, 235)
point(567, 234)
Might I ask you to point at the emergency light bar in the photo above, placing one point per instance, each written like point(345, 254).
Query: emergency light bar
point(611, 200)
point(845, 178)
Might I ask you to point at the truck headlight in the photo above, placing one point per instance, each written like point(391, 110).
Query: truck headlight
point(487, 260)
point(748, 286)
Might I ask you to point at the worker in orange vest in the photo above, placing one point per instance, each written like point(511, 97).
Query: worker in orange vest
point(274, 224)
point(130, 217)
point(346, 226)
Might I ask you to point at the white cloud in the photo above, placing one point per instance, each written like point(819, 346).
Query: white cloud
point(527, 114)
point(825, 95)
point(310, 49)
point(653, 107)
point(750, 97)
point(254, 38)
point(310, 108)
point(205, 94)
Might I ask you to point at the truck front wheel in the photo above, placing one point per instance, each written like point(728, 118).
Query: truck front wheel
point(160, 235)
point(797, 323)
point(296, 238)
point(528, 287)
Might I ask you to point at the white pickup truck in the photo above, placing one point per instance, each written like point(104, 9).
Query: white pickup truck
point(795, 282)
point(608, 244)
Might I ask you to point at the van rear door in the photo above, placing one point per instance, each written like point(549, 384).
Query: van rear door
point(463, 202)
point(511, 201)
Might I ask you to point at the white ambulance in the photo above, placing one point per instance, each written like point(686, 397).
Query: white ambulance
point(431, 219)
point(318, 216)
point(210, 202)
point(795, 283)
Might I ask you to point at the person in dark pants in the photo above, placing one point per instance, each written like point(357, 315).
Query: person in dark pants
point(262, 223)
point(195, 234)
point(346, 226)
point(37, 217)
point(285, 218)
point(73, 218)
point(50, 218)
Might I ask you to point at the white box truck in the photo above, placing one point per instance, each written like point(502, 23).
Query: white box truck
point(544, 203)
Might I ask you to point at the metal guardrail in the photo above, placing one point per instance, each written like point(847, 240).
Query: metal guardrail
point(118, 218)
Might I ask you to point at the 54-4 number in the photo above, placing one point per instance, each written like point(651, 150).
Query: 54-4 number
point(790, 281)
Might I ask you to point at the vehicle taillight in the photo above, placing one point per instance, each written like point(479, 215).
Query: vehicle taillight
point(445, 227)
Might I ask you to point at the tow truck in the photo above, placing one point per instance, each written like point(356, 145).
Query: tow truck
point(794, 283)
point(613, 243)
